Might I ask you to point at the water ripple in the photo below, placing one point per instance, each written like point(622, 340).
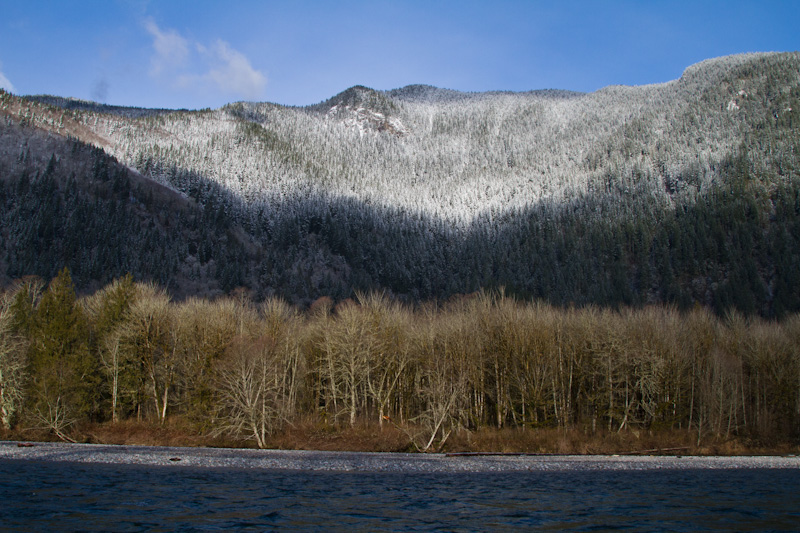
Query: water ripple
point(92, 496)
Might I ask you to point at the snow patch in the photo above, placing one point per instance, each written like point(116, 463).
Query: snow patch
point(363, 119)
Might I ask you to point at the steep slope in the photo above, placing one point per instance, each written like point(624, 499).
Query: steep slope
point(66, 203)
point(429, 192)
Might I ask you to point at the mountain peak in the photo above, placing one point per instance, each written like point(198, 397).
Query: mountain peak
point(357, 97)
point(363, 107)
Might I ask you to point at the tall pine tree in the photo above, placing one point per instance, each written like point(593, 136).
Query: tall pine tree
point(65, 375)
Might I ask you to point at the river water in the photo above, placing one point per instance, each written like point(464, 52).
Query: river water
point(89, 488)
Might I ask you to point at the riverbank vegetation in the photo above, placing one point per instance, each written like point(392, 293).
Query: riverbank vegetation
point(477, 372)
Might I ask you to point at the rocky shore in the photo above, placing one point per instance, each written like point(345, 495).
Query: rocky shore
point(369, 462)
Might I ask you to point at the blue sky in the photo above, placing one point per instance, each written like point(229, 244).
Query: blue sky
point(200, 53)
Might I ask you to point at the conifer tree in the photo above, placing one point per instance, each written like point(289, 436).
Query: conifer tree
point(64, 381)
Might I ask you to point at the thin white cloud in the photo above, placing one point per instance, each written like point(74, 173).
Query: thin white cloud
point(171, 50)
point(4, 82)
point(231, 71)
point(218, 68)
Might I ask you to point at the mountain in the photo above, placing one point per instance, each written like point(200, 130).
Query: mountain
point(65, 202)
point(684, 192)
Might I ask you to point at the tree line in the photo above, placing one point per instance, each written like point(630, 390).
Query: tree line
point(485, 360)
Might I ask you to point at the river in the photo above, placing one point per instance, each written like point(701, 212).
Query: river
point(125, 488)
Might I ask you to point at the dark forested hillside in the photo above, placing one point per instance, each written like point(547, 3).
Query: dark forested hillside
point(685, 192)
point(64, 203)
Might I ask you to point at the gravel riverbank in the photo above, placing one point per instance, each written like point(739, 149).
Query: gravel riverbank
point(368, 462)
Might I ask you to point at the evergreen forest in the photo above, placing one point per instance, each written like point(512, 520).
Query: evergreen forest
point(683, 193)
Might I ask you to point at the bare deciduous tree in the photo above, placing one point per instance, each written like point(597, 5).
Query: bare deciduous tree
point(390, 327)
point(148, 335)
point(347, 344)
point(443, 382)
point(12, 365)
point(257, 383)
point(249, 391)
point(205, 330)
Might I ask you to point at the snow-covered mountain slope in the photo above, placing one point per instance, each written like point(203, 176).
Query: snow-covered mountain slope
point(430, 191)
point(457, 156)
